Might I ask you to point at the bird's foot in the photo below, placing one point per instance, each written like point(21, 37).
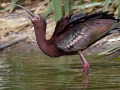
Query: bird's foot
point(85, 68)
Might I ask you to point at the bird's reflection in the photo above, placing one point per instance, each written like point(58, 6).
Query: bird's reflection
point(85, 80)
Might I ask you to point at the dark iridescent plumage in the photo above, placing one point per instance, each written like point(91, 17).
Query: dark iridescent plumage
point(73, 33)
point(87, 30)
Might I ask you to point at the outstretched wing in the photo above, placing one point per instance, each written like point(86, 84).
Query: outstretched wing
point(75, 18)
point(88, 30)
point(65, 22)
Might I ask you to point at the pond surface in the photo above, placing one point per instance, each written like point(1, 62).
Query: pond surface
point(36, 71)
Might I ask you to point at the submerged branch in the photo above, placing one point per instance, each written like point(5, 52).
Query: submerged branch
point(110, 51)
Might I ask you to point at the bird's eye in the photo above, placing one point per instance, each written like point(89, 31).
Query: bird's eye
point(37, 18)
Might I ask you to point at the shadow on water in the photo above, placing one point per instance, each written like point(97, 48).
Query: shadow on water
point(36, 71)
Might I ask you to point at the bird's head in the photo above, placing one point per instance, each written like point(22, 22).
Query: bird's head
point(33, 17)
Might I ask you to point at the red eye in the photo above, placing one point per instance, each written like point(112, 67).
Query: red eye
point(38, 18)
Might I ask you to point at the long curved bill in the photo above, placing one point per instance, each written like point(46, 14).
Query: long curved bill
point(28, 11)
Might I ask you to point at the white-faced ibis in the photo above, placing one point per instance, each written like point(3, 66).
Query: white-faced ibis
point(73, 33)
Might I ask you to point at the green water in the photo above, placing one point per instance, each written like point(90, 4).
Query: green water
point(36, 71)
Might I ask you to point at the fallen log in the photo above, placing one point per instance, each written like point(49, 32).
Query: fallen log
point(10, 43)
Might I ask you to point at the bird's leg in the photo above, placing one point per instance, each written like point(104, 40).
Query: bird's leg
point(85, 67)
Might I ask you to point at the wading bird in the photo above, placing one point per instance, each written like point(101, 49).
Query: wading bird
point(73, 33)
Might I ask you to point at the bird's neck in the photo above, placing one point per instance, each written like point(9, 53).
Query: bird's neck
point(46, 46)
point(40, 32)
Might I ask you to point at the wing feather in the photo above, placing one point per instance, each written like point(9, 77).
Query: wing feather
point(84, 30)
